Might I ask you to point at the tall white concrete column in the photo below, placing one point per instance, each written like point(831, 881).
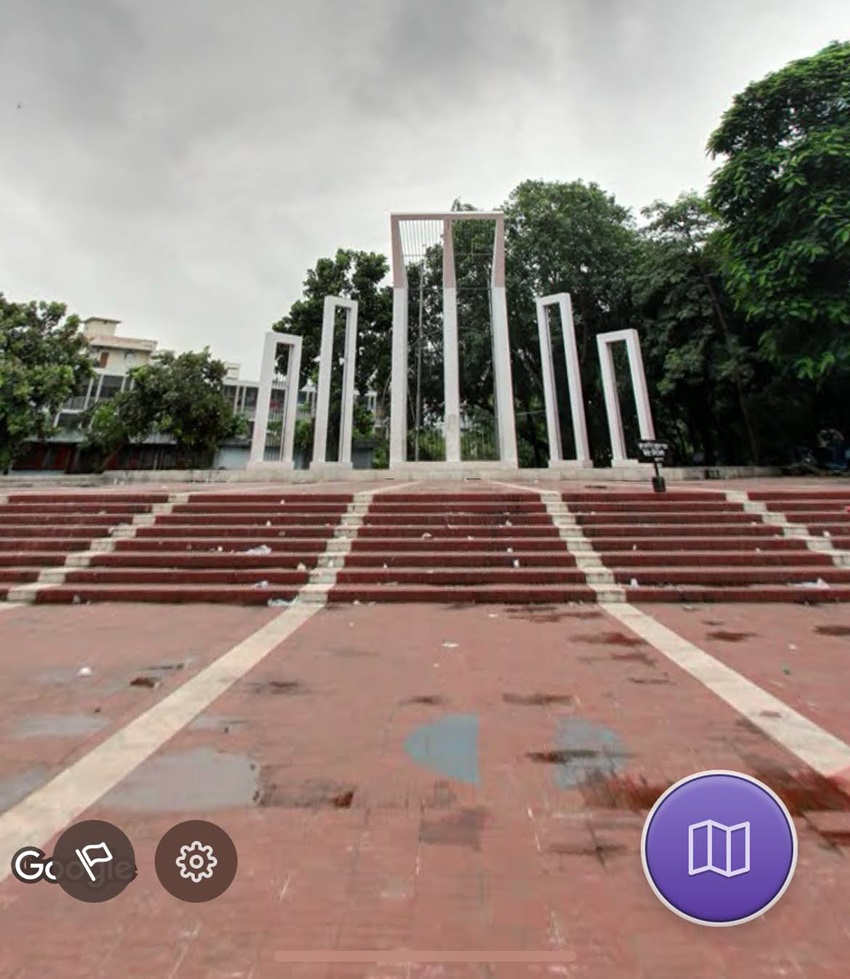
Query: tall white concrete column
point(564, 303)
point(323, 394)
point(398, 377)
point(502, 374)
point(604, 342)
point(451, 364)
point(271, 347)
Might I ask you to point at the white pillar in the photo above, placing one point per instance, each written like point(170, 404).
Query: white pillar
point(646, 427)
point(451, 365)
point(398, 376)
point(273, 343)
point(323, 395)
point(553, 423)
point(503, 379)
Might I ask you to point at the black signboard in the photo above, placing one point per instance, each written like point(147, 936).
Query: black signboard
point(655, 451)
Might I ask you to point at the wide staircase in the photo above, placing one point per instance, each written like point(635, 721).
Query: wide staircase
point(460, 547)
point(489, 545)
point(695, 546)
point(213, 547)
point(41, 530)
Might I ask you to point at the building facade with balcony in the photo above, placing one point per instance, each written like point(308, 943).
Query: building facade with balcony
point(115, 356)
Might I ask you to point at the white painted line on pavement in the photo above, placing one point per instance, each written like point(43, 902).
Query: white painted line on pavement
point(48, 810)
point(820, 750)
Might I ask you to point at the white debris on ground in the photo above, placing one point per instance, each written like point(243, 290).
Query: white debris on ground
point(262, 549)
point(84, 671)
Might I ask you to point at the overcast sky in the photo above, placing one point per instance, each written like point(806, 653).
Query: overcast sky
point(179, 164)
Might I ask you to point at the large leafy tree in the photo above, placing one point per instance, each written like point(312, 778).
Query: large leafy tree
point(783, 194)
point(44, 360)
point(566, 237)
point(698, 352)
point(177, 395)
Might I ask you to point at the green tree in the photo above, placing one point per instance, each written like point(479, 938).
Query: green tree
point(352, 275)
point(566, 237)
point(698, 352)
point(44, 360)
point(177, 395)
point(783, 194)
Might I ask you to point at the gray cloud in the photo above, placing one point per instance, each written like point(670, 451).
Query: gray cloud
point(181, 164)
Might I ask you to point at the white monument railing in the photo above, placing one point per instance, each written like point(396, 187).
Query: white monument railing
point(323, 394)
point(503, 383)
point(271, 352)
point(545, 304)
point(605, 342)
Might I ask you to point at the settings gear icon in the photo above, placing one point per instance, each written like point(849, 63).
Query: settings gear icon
point(196, 861)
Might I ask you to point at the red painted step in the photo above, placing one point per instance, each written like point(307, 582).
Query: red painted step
point(489, 594)
point(48, 544)
point(551, 543)
point(604, 545)
point(12, 576)
point(166, 594)
point(41, 559)
point(458, 577)
point(234, 545)
point(725, 559)
point(209, 530)
point(281, 518)
point(714, 531)
point(208, 577)
point(204, 559)
point(86, 497)
point(717, 577)
point(464, 533)
point(45, 529)
point(459, 559)
point(645, 519)
point(694, 594)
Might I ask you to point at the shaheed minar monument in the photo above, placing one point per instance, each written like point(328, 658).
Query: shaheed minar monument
point(507, 461)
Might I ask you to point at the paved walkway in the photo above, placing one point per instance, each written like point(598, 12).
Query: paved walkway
point(510, 849)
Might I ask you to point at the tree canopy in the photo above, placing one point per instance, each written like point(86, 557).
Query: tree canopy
point(177, 395)
point(44, 360)
point(783, 197)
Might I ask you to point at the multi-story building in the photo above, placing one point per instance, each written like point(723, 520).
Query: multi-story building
point(115, 357)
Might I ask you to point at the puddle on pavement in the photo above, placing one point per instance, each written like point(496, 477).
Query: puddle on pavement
point(58, 726)
point(103, 685)
point(634, 657)
point(19, 785)
point(289, 688)
point(582, 751)
point(538, 699)
point(197, 780)
point(839, 631)
point(448, 746)
point(543, 613)
point(722, 635)
point(608, 639)
point(310, 794)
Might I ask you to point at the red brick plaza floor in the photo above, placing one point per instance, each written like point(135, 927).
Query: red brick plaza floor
point(351, 852)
